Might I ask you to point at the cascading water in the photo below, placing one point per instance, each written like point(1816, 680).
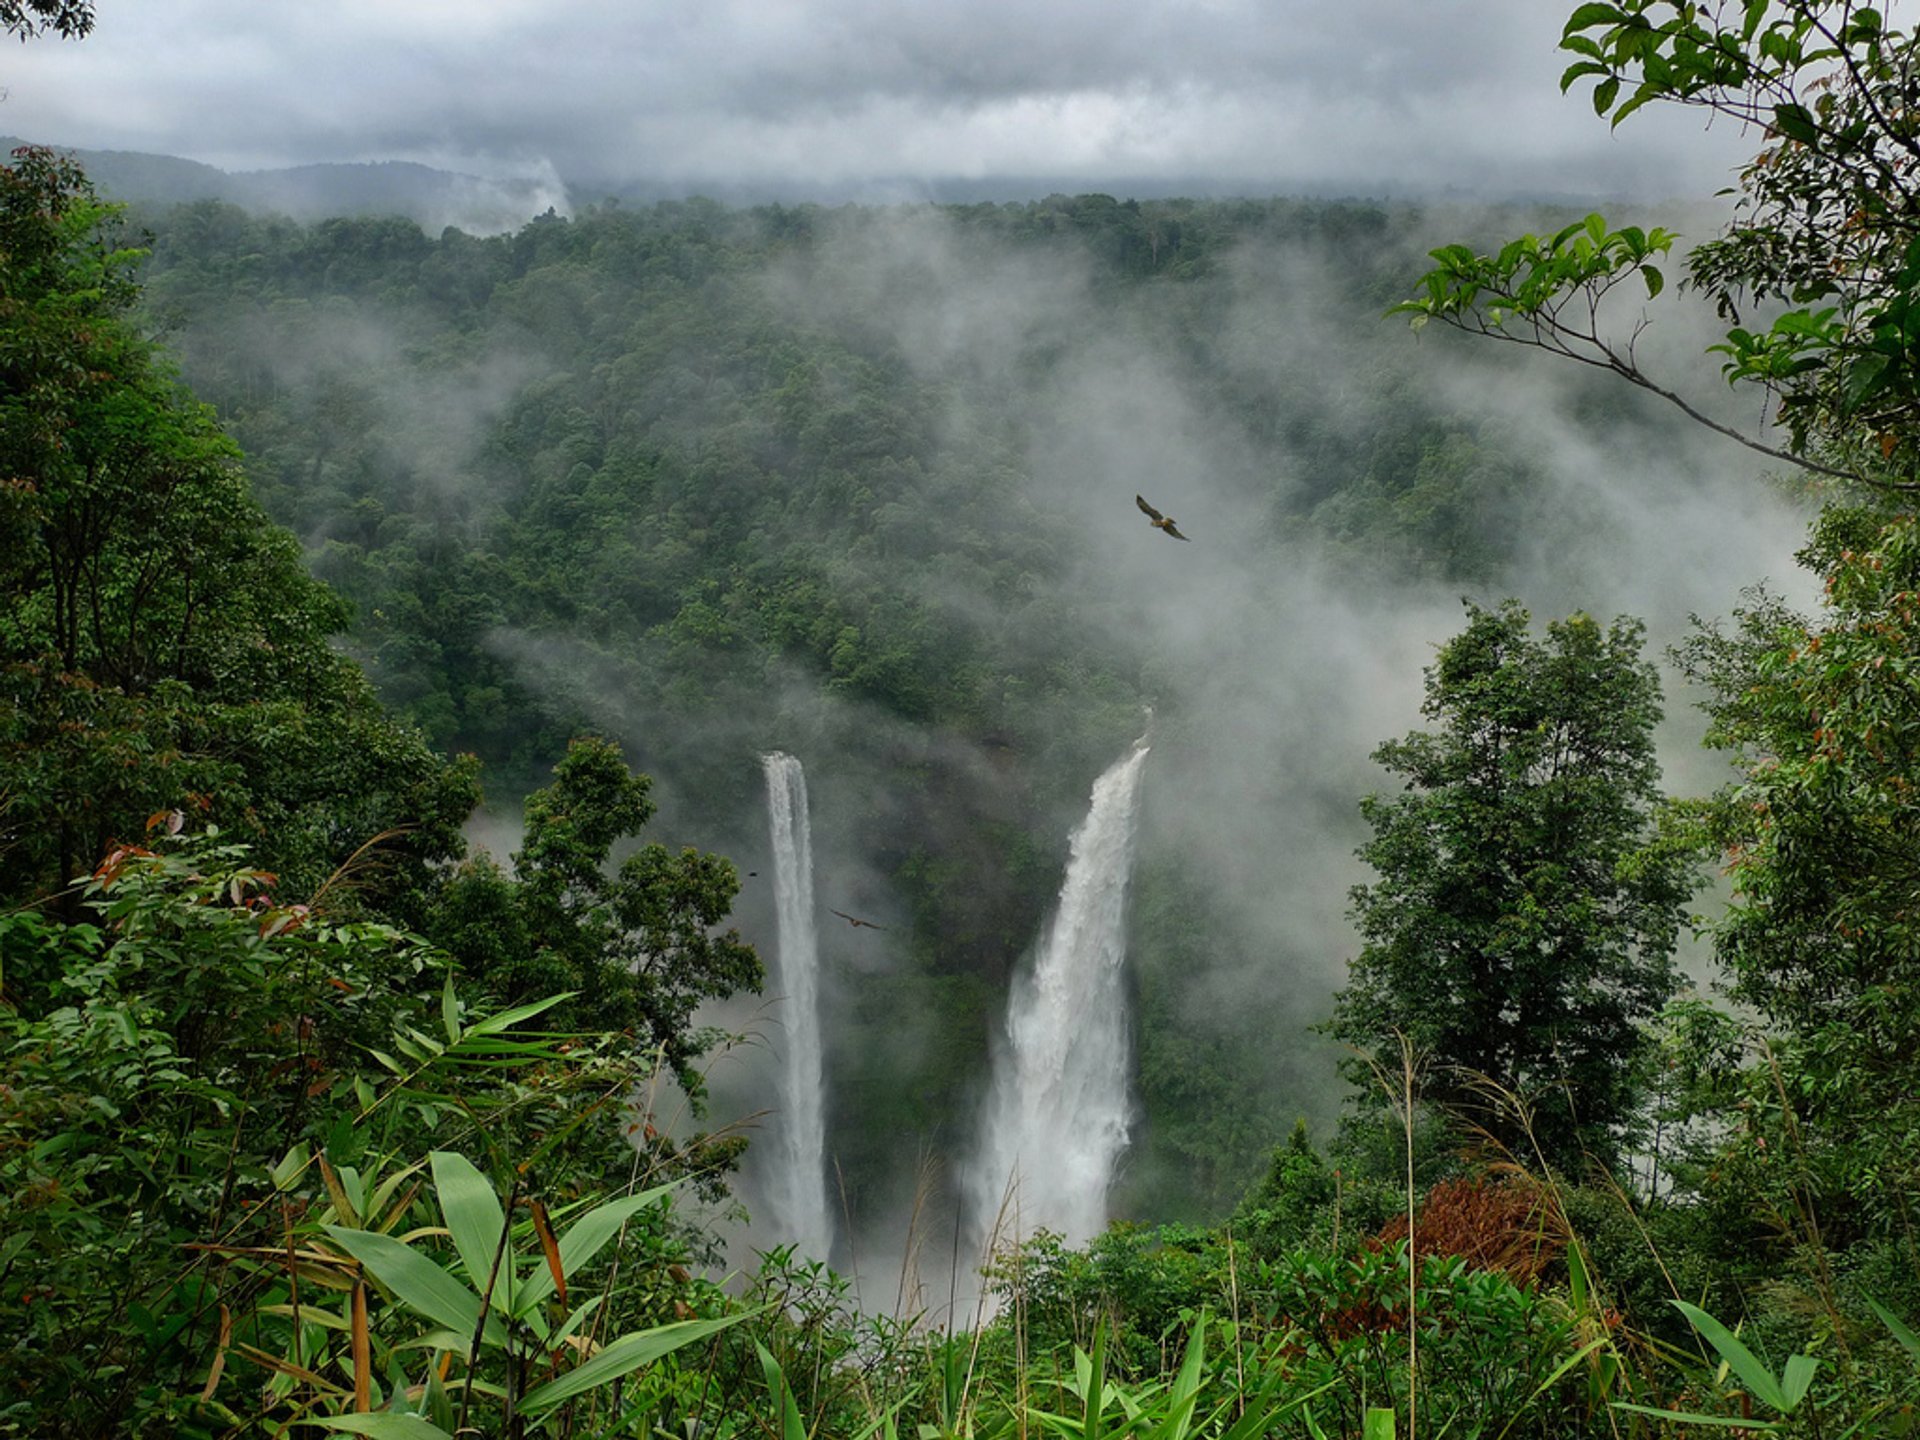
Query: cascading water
point(1057, 1119)
point(799, 1184)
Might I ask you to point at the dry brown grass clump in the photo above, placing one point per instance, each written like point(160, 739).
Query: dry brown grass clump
point(1502, 1224)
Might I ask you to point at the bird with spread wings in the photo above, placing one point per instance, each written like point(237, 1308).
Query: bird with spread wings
point(1159, 521)
point(855, 920)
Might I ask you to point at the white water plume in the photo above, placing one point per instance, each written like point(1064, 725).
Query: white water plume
point(799, 1184)
point(1058, 1116)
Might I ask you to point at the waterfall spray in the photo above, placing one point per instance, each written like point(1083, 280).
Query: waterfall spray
point(799, 1186)
point(1057, 1119)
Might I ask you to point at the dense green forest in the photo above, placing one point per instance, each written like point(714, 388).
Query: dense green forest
point(316, 538)
point(714, 481)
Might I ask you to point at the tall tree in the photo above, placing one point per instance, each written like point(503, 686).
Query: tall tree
point(161, 645)
point(1522, 928)
point(638, 945)
point(1819, 833)
point(1822, 838)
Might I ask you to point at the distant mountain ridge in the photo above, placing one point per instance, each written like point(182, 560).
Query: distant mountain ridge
point(433, 199)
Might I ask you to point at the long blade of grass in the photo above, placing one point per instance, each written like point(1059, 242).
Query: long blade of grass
point(1752, 1371)
point(384, 1427)
point(1185, 1393)
point(1547, 1384)
point(792, 1427)
point(621, 1356)
point(1725, 1422)
point(1908, 1340)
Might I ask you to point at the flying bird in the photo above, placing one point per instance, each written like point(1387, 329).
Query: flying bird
point(1159, 521)
point(854, 920)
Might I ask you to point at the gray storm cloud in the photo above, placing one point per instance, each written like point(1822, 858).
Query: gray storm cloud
point(1383, 95)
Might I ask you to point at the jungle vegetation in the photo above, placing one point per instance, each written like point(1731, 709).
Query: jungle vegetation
point(314, 1116)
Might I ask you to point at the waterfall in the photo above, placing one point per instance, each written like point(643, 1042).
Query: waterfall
point(799, 1185)
point(1057, 1118)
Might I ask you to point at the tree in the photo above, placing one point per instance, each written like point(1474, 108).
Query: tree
point(69, 19)
point(1826, 223)
point(639, 946)
point(1822, 838)
point(1819, 833)
point(161, 645)
point(1522, 926)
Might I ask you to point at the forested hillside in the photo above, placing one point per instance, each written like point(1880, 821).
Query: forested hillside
point(1245, 752)
point(851, 483)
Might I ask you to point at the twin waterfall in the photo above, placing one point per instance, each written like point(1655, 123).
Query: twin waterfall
point(799, 1196)
point(1057, 1117)
point(1056, 1121)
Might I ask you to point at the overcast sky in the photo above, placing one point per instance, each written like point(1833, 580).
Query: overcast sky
point(1362, 96)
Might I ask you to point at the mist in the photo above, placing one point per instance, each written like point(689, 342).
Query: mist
point(1278, 647)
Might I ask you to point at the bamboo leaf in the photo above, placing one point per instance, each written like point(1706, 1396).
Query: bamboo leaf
point(584, 1239)
point(474, 1220)
point(1725, 1422)
point(792, 1427)
point(417, 1281)
point(506, 1019)
point(1753, 1372)
point(622, 1356)
point(384, 1427)
point(1908, 1340)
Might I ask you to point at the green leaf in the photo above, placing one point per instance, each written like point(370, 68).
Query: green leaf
point(624, 1355)
point(450, 1011)
point(417, 1282)
point(384, 1427)
point(1753, 1373)
point(507, 1019)
point(584, 1239)
point(1185, 1392)
point(475, 1221)
point(1796, 123)
point(792, 1427)
point(1908, 1340)
point(1641, 97)
point(1604, 94)
point(1656, 282)
point(1588, 16)
point(292, 1166)
point(1725, 1422)
point(1797, 1376)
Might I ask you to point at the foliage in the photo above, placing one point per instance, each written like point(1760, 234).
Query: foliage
point(1489, 1358)
point(141, 1050)
point(162, 646)
point(486, 1302)
point(1823, 225)
point(1294, 1205)
point(161, 1062)
point(69, 19)
point(1138, 1285)
point(1819, 834)
point(638, 947)
point(1521, 927)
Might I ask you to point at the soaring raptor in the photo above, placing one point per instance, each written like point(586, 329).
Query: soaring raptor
point(1159, 521)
